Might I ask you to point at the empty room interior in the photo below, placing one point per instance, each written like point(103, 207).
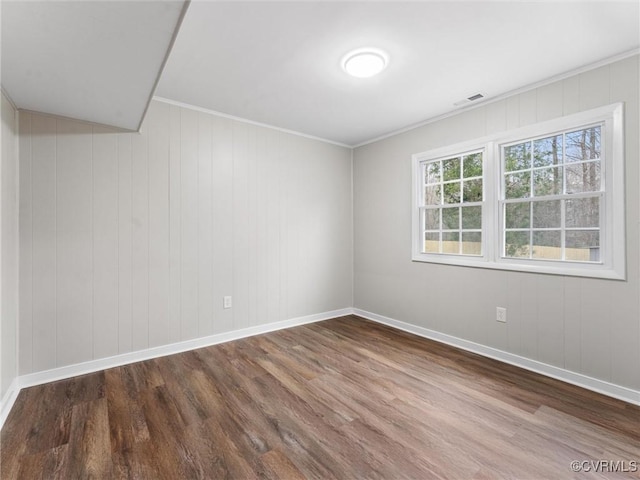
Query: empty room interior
point(322, 240)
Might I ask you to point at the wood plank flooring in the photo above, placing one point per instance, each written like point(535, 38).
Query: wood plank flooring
point(345, 399)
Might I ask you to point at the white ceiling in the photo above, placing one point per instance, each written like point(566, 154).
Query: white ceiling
point(91, 60)
point(278, 63)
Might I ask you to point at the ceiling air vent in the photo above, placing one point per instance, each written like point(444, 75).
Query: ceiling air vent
point(468, 100)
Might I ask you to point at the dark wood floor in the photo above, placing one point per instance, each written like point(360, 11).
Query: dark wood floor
point(344, 398)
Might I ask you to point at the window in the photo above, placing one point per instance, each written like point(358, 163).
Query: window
point(552, 197)
point(451, 209)
point(546, 198)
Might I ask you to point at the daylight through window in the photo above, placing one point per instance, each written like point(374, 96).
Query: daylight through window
point(552, 197)
point(452, 207)
point(545, 198)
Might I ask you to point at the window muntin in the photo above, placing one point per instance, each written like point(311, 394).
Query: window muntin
point(555, 205)
point(552, 196)
point(451, 207)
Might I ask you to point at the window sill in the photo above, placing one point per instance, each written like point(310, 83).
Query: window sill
point(568, 269)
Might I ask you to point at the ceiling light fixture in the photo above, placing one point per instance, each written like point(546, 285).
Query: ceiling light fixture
point(365, 62)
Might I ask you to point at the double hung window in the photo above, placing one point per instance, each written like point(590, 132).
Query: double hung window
point(546, 198)
point(452, 204)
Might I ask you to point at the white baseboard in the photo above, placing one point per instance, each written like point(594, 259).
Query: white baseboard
point(61, 373)
point(92, 366)
point(7, 401)
point(600, 386)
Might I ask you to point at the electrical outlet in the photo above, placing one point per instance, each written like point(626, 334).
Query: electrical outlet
point(501, 314)
point(226, 302)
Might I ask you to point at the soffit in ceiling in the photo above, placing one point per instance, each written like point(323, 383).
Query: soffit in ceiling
point(97, 61)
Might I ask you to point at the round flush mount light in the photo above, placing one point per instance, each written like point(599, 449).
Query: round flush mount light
point(365, 62)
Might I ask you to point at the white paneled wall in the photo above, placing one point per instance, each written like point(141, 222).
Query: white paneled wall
point(130, 241)
point(9, 247)
point(587, 326)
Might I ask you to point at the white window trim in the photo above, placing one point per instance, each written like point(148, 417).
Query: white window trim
point(613, 242)
point(436, 154)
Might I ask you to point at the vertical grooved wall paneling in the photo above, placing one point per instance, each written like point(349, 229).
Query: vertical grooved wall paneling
point(124, 324)
point(140, 240)
point(158, 199)
point(25, 222)
point(189, 223)
point(9, 229)
point(131, 240)
point(204, 235)
point(43, 208)
point(74, 242)
point(105, 243)
point(584, 325)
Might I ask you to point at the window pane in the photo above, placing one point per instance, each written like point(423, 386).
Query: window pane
point(518, 185)
point(582, 246)
point(547, 151)
point(547, 245)
point(547, 181)
point(471, 218)
point(472, 165)
point(546, 214)
point(472, 190)
point(431, 243)
point(432, 172)
point(450, 218)
point(451, 169)
point(517, 215)
point(517, 157)
point(583, 177)
point(517, 244)
point(432, 195)
point(583, 145)
point(444, 189)
point(452, 192)
point(472, 243)
point(451, 242)
point(432, 219)
point(583, 212)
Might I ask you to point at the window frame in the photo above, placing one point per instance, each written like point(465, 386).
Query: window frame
point(419, 159)
point(612, 264)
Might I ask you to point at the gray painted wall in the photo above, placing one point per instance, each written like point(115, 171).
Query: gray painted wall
point(9, 247)
point(584, 325)
point(130, 241)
